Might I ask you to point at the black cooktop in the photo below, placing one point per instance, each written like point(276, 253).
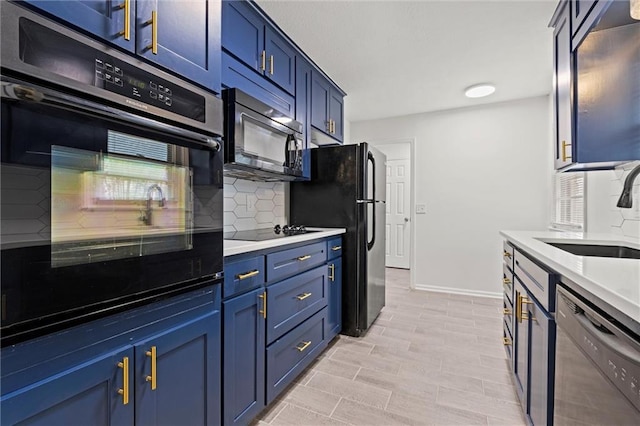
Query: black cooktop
point(267, 233)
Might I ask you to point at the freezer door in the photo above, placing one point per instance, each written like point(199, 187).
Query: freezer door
point(375, 282)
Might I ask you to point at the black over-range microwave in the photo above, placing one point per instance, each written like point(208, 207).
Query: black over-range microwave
point(261, 143)
point(111, 180)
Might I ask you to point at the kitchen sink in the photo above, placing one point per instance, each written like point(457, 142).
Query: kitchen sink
point(620, 252)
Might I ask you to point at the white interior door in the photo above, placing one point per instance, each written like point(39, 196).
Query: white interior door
point(398, 224)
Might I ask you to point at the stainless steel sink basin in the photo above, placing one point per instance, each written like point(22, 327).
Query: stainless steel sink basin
point(620, 252)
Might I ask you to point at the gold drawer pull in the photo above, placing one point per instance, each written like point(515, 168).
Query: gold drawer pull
point(263, 311)
point(153, 378)
point(125, 380)
point(336, 248)
point(506, 281)
point(126, 32)
point(248, 274)
point(303, 296)
point(263, 61)
point(271, 64)
point(565, 157)
point(506, 341)
point(332, 273)
point(304, 346)
point(506, 311)
point(305, 257)
point(506, 254)
point(154, 32)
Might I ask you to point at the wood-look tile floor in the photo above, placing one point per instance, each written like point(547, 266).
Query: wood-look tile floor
point(429, 359)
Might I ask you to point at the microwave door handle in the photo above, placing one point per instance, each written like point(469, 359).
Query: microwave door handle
point(287, 146)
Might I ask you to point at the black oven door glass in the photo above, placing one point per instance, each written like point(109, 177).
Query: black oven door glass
point(98, 215)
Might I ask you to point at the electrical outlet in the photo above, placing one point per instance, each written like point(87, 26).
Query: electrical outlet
point(421, 209)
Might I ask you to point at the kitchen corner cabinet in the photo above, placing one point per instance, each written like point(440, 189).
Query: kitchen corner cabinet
point(252, 40)
point(327, 107)
point(158, 364)
point(183, 37)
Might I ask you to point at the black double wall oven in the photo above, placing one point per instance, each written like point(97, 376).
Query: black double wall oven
point(111, 180)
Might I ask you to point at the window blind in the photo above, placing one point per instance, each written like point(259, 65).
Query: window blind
point(569, 204)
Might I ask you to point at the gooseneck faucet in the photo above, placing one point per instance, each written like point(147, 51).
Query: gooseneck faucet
point(626, 200)
point(147, 214)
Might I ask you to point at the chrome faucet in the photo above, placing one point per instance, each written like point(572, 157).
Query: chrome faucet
point(147, 214)
point(626, 200)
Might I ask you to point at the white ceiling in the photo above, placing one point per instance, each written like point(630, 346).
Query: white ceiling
point(404, 57)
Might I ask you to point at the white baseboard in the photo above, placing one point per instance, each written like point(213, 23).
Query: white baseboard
point(453, 290)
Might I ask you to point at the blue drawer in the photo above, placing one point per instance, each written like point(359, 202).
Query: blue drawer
point(293, 300)
point(289, 355)
point(334, 248)
point(290, 262)
point(540, 281)
point(243, 275)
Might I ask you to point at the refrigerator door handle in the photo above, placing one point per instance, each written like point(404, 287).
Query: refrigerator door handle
point(373, 197)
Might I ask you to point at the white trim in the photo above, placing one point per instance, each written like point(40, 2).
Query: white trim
point(412, 207)
point(476, 293)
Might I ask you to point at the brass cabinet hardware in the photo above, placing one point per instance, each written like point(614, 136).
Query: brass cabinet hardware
point(333, 126)
point(336, 248)
point(305, 257)
point(329, 125)
point(304, 346)
point(518, 307)
point(248, 274)
point(126, 32)
point(506, 280)
point(520, 314)
point(506, 254)
point(271, 64)
point(263, 61)
point(303, 296)
point(565, 157)
point(332, 273)
point(153, 378)
point(154, 32)
point(263, 311)
point(125, 380)
point(506, 341)
point(506, 311)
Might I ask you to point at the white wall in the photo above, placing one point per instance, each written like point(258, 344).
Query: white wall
point(478, 170)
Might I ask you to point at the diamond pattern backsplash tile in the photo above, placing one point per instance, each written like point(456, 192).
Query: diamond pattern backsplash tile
point(625, 221)
point(253, 205)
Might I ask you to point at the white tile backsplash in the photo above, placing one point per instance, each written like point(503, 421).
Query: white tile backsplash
point(253, 205)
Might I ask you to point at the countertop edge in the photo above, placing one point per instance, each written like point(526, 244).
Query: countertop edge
point(234, 247)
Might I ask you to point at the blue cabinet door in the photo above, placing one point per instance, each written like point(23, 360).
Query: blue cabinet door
point(280, 58)
point(520, 346)
point(334, 296)
point(187, 39)
point(85, 394)
point(243, 34)
point(102, 18)
point(183, 364)
point(243, 358)
point(320, 94)
point(563, 104)
point(336, 113)
point(541, 363)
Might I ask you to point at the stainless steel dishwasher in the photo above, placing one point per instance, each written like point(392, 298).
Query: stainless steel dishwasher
point(597, 378)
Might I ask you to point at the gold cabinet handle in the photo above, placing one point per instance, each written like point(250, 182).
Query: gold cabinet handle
point(332, 272)
point(333, 126)
point(125, 380)
point(305, 257)
point(520, 314)
point(263, 61)
point(271, 64)
point(153, 378)
point(154, 32)
point(248, 274)
point(304, 346)
point(506, 254)
point(126, 32)
point(565, 157)
point(506, 281)
point(506, 341)
point(336, 248)
point(263, 311)
point(506, 311)
point(303, 296)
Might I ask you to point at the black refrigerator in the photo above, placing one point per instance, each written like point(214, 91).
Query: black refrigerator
point(347, 190)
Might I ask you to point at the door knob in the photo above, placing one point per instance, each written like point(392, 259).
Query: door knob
point(406, 219)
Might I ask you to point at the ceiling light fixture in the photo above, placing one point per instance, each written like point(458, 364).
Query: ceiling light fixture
point(479, 90)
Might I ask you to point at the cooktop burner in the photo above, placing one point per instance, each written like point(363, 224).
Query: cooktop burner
point(267, 233)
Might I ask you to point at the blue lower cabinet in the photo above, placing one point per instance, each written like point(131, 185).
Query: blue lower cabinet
point(84, 394)
point(289, 355)
point(177, 375)
point(542, 336)
point(334, 298)
point(243, 357)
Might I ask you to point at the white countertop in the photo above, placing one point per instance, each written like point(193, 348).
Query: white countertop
point(614, 281)
point(232, 247)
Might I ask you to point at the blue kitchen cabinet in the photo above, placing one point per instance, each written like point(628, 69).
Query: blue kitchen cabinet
point(247, 35)
point(303, 109)
point(562, 101)
point(84, 394)
point(520, 347)
point(244, 357)
point(177, 374)
point(182, 37)
point(334, 298)
point(326, 109)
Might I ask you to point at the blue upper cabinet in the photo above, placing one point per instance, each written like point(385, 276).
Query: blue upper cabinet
point(248, 36)
point(562, 89)
point(327, 110)
point(303, 109)
point(183, 37)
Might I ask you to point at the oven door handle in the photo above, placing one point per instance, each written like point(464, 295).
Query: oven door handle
point(27, 92)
